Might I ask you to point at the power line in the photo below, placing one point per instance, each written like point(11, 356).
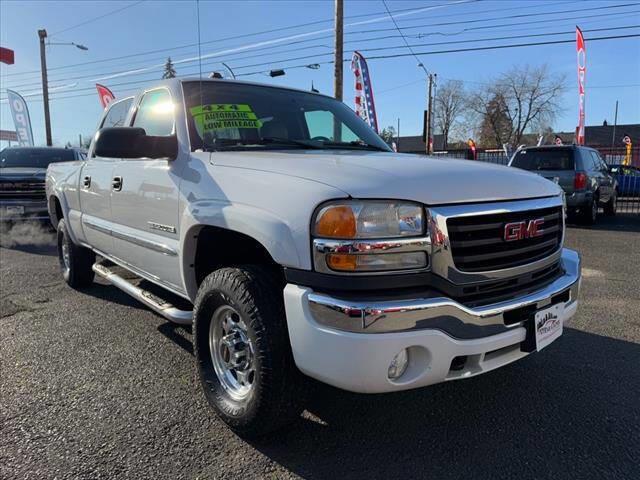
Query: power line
point(218, 40)
point(511, 37)
point(291, 43)
point(500, 47)
point(520, 8)
point(413, 53)
point(476, 28)
point(420, 64)
point(467, 21)
point(235, 58)
point(264, 32)
point(97, 18)
point(497, 47)
point(278, 62)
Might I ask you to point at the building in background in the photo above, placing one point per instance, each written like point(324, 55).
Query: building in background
point(595, 136)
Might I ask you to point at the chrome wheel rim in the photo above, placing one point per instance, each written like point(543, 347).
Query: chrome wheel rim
point(66, 260)
point(232, 352)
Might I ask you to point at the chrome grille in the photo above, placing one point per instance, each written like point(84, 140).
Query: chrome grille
point(31, 190)
point(478, 244)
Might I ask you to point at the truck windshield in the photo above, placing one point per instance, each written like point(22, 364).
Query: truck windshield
point(550, 159)
point(234, 116)
point(34, 157)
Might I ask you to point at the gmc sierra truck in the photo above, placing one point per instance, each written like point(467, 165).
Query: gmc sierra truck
point(297, 244)
point(22, 175)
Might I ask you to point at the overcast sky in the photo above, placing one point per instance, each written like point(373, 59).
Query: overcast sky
point(144, 33)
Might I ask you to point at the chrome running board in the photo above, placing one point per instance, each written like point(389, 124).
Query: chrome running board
point(155, 303)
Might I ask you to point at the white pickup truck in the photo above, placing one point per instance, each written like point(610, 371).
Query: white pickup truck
point(296, 243)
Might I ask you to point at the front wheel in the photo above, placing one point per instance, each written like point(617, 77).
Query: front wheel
point(242, 350)
point(75, 262)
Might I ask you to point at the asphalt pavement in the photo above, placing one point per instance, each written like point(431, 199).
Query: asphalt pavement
point(93, 385)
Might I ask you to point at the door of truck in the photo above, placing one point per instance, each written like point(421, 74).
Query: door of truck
point(145, 204)
point(95, 186)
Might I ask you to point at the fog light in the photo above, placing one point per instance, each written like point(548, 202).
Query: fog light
point(398, 365)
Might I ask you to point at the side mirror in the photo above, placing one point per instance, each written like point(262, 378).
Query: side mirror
point(132, 142)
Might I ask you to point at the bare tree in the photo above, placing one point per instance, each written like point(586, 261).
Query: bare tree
point(388, 134)
point(449, 105)
point(522, 100)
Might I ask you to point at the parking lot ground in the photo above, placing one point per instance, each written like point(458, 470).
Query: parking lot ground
point(95, 386)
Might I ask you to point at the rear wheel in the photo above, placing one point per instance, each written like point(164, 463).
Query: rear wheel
point(75, 262)
point(590, 212)
point(611, 207)
point(242, 350)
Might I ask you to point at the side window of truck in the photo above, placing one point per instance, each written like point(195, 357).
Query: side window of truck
point(155, 113)
point(598, 164)
point(117, 114)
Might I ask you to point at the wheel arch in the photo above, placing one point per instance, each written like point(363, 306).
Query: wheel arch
point(232, 235)
point(55, 210)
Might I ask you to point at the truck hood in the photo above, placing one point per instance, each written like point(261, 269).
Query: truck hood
point(9, 174)
point(366, 174)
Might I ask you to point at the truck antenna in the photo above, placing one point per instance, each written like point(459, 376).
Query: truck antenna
point(199, 60)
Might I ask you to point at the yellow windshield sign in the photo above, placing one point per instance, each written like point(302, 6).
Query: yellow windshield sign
point(221, 116)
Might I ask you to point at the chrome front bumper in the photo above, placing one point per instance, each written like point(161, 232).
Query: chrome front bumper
point(443, 313)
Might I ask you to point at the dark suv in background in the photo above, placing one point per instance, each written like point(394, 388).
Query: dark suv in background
point(580, 171)
point(22, 174)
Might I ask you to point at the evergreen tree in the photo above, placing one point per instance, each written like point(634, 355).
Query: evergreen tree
point(169, 71)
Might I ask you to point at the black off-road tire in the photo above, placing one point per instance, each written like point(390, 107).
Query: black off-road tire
point(611, 207)
point(276, 396)
point(76, 269)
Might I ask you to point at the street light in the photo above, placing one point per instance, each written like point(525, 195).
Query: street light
point(77, 45)
point(42, 34)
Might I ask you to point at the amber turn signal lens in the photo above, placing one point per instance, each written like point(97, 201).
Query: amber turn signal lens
point(336, 222)
point(342, 262)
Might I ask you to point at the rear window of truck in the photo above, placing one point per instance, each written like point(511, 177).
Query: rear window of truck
point(34, 157)
point(556, 159)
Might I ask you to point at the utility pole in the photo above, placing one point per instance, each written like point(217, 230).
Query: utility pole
point(45, 86)
point(615, 124)
point(339, 50)
point(429, 113)
point(338, 64)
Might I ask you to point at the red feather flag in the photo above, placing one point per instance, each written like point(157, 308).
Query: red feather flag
point(582, 70)
point(106, 97)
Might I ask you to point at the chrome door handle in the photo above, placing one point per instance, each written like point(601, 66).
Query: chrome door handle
point(86, 181)
point(116, 183)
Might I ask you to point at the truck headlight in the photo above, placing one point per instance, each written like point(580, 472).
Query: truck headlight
point(369, 219)
point(368, 236)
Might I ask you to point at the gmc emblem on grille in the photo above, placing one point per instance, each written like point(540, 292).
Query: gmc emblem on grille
point(521, 230)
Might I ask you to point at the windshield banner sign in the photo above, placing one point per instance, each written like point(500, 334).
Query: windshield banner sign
point(582, 71)
point(365, 105)
point(222, 116)
point(21, 119)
